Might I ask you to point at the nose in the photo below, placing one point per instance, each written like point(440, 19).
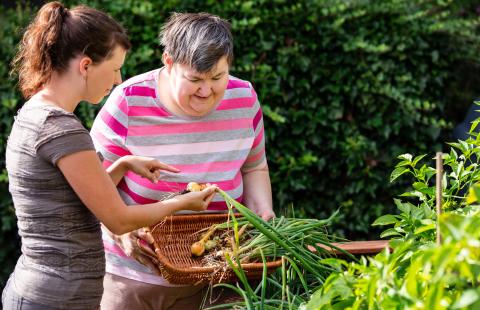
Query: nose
point(204, 90)
point(118, 78)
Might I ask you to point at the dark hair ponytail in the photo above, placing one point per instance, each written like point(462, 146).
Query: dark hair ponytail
point(57, 35)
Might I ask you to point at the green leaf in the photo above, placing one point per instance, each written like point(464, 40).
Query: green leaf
point(467, 298)
point(419, 185)
point(417, 159)
point(389, 233)
point(387, 219)
point(474, 125)
point(404, 207)
point(476, 190)
point(406, 156)
point(398, 172)
point(424, 228)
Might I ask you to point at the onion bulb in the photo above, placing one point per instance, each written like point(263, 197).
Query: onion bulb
point(198, 248)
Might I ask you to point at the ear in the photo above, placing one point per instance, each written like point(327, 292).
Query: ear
point(84, 64)
point(167, 61)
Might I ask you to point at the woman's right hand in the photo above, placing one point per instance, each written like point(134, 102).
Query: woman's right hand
point(197, 201)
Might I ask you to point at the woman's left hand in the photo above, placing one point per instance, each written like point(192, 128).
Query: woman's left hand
point(138, 245)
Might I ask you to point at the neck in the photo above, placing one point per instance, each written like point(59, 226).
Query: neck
point(60, 91)
point(165, 93)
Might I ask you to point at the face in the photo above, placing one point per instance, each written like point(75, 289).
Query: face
point(103, 76)
point(197, 94)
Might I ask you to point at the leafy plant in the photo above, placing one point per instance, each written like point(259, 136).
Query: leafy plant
point(415, 276)
point(461, 172)
point(420, 273)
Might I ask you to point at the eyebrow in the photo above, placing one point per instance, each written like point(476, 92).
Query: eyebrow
point(220, 73)
point(195, 75)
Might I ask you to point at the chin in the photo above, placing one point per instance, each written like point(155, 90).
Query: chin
point(94, 101)
point(206, 111)
point(203, 113)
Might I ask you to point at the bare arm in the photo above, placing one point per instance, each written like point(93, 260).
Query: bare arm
point(97, 191)
point(257, 191)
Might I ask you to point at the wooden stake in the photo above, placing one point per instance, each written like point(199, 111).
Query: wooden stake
point(438, 193)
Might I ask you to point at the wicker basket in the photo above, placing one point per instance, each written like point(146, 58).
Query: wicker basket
point(173, 239)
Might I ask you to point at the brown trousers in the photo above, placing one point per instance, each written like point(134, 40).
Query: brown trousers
point(125, 294)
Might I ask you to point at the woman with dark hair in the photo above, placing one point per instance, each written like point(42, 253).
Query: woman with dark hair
point(60, 189)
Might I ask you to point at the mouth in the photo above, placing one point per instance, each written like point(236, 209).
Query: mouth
point(201, 97)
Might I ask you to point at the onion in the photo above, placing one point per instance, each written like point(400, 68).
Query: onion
point(198, 248)
point(194, 187)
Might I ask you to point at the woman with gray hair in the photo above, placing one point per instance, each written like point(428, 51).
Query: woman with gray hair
point(193, 115)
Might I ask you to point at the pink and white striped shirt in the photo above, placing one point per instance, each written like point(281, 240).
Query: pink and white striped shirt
point(216, 148)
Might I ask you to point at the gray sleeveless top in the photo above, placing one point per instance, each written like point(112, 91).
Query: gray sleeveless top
point(62, 262)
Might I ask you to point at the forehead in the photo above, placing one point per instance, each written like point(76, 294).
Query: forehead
point(117, 56)
point(219, 67)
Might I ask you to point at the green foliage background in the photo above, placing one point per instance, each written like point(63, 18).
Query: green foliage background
point(346, 86)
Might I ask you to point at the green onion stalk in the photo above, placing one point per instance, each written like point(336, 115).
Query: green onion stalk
point(292, 237)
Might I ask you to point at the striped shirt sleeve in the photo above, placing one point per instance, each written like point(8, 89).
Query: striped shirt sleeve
point(109, 131)
point(256, 157)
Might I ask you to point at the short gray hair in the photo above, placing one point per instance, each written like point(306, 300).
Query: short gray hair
point(197, 39)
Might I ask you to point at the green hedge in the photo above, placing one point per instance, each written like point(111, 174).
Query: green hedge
point(346, 86)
